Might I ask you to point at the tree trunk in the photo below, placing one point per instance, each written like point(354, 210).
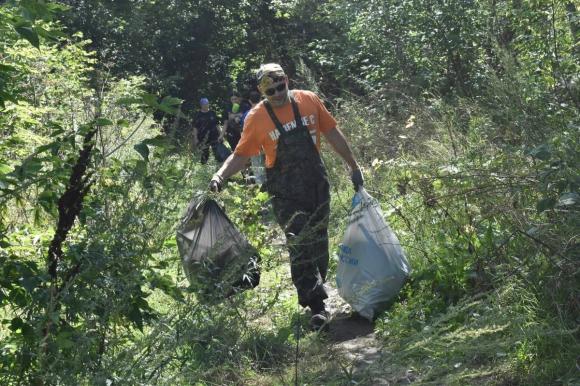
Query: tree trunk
point(69, 207)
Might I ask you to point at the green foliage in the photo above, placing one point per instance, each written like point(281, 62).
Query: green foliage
point(492, 338)
point(29, 20)
point(476, 209)
point(193, 48)
point(464, 116)
point(109, 266)
point(249, 210)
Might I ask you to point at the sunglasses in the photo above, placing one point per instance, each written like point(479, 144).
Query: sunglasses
point(272, 91)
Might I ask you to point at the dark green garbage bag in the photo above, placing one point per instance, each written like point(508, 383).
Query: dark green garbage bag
point(217, 259)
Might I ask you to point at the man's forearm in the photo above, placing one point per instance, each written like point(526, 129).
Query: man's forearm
point(340, 145)
point(233, 164)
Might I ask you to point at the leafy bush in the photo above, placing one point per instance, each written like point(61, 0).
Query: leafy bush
point(476, 209)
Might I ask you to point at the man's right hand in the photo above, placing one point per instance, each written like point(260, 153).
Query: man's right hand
point(357, 179)
point(216, 183)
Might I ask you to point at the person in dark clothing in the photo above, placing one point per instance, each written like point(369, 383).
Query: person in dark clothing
point(205, 124)
point(253, 99)
point(288, 126)
point(245, 106)
point(231, 121)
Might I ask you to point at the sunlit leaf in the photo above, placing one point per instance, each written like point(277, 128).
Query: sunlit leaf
point(103, 122)
point(123, 123)
point(142, 149)
point(29, 34)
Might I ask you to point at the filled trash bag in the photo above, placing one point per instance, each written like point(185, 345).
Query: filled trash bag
point(372, 266)
point(217, 259)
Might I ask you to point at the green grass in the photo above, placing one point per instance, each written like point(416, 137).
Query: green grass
point(501, 336)
point(489, 339)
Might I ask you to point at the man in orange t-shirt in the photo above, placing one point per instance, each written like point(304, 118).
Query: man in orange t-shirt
point(287, 126)
point(261, 133)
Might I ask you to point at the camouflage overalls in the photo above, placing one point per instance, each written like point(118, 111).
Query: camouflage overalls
point(300, 194)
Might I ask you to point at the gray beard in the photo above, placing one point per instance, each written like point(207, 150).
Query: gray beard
point(276, 103)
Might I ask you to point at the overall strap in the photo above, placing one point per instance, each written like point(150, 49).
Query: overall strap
point(275, 119)
point(297, 115)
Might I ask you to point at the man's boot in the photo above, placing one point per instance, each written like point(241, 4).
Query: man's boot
point(319, 319)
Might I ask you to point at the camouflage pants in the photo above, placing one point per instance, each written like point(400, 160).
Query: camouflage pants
point(305, 224)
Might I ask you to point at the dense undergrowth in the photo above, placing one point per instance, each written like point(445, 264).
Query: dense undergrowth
point(481, 189)
point(487, 210)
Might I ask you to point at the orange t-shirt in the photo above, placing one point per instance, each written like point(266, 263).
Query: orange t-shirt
point(260, 133)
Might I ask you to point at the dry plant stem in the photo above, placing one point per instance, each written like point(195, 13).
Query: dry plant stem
point(126, 139)
point(540, 242)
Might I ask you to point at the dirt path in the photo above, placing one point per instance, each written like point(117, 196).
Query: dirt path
point(353, 339)
point(353, 342)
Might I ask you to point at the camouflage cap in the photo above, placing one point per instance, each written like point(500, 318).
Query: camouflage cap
point(268, 71)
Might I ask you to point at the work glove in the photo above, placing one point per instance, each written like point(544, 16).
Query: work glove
point(216, 183)
point(357, 179)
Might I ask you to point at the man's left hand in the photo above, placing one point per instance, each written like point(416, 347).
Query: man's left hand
point(216, 183)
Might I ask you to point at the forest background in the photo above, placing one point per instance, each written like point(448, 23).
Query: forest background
point(463, 115)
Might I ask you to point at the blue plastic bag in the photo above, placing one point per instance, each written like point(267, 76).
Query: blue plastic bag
point(372, 266)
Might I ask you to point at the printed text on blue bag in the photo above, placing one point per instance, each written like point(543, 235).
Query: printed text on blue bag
point(345, 255)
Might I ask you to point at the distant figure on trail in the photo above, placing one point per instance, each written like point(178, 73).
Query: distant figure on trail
point(258, 161)
point(205, 125)
point(231, 121)
point(245, 106)
point(288, 125)
point(253, 99)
